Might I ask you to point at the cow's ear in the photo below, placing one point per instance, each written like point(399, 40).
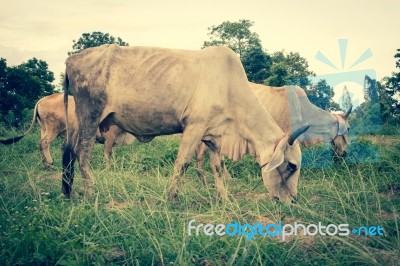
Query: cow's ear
point(276, 159)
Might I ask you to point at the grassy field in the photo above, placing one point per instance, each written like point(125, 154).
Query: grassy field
point(129, 220)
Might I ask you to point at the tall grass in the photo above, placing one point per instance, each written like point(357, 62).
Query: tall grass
point(129, 220)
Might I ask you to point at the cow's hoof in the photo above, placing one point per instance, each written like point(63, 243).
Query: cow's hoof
point(223, 196)
point(66, 192)
point(172, 194)
point(89, 192)
point(47, 166)
point(227, 177)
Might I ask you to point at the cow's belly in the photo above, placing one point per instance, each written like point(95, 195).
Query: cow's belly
point(148, 120)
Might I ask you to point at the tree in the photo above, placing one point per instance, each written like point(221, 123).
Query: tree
point(278, 75)
point(321, 95)
point(386, 102)
point(370, 90)
point(38, 69)
point(392, 89)
point(235, 35)
point(257, 64)
point(369, 114)
point(289, 69)
point(3, 74)
point(345, 100)
point(20, 87)
point(94, 39)
point(397, 55)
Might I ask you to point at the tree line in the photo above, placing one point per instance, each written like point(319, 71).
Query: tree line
point(21, 86)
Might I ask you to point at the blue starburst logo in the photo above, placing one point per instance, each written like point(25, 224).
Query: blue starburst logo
point(343, 52)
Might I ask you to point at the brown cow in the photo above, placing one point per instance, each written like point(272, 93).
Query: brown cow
point(50, 114)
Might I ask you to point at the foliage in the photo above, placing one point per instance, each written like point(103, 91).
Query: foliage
point(235, 35)
point(278, 69)
point(289, 69)
point(370, 89)
point(21, 86)
point(382, 105)
point(391, 90)
point(397, 55)
point(277, 75)
point(386, 102)
point(321, 95)
point(345, 100)
point(94, 39)
point(257, 64)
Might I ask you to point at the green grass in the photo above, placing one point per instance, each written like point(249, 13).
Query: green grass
point(129, 220)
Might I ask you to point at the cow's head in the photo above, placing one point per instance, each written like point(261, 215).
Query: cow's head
point(340, 141)
point(281, 174)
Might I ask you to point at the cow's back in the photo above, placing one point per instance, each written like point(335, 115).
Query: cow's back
point(290, 107)
point(275, 100)
point(148, 90)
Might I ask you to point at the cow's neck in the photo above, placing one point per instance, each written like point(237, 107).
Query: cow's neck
point(323, 125)
point(256, 125)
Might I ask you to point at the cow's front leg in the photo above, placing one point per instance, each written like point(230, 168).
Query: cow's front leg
point(225, 172)
point(201, 150)
point(191, 137)
point(218, 171)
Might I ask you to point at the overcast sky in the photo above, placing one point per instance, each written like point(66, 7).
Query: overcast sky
point(45, 29)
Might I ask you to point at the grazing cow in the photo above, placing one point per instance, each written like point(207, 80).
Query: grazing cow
point(151, 91)
point(290, 107)
point(50, 115)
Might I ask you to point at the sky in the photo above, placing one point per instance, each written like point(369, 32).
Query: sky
point(46, 29)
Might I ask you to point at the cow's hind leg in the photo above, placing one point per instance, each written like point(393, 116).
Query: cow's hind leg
point(89, 108)
point(191, 137)
point(109, 137)
point(83, 150)
point(48, 135)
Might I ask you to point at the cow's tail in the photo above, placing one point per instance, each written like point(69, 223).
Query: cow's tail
point(15, 139)
point(68, 157)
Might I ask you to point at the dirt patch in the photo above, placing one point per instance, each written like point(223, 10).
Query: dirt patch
point(387, 216)
point(381, 140)
point(115, 205)
point(114, 254)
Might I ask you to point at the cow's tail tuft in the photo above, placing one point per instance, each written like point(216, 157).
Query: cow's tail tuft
point(11, 140)
point(66, 86)
point(68, 157)
point(18, 138)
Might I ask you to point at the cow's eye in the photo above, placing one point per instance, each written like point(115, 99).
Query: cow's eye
point(291, 167)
